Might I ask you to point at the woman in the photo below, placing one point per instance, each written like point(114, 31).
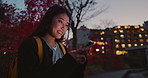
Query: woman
point(55, 64)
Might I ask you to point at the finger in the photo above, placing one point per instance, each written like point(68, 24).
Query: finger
point(72, 51)
point(81, 58)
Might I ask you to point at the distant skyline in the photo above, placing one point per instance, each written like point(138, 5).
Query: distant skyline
point(121, 12)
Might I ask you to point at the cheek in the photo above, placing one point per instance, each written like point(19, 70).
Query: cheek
point(55, 26)
point(65, 30)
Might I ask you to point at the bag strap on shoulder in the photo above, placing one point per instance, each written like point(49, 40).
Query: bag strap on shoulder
point(13, 73)
point(63, 48)
point(40, 47)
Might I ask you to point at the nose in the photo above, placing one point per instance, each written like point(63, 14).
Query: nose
point(64, 27)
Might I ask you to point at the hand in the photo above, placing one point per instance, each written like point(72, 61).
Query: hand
point(79, 55)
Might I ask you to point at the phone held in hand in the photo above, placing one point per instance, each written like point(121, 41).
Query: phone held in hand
point(84, 50)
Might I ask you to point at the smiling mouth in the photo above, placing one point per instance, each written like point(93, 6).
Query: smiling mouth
point(60, 32)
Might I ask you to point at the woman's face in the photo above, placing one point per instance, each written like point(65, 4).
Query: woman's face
point(59, 25)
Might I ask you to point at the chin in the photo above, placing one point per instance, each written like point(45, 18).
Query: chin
point(58, 37)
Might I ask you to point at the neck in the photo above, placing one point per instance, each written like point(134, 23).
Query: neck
point(50, 40)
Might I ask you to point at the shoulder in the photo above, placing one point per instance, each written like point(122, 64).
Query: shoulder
point(28, 42)
point(63, 48)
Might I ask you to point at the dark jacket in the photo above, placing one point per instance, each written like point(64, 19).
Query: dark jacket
point(29, 65)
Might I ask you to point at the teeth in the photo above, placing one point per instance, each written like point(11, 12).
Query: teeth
point(60, 32)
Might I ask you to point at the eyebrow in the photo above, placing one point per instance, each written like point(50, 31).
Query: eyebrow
point(62, 19)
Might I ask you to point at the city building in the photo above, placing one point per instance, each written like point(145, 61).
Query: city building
point(145, 25)
point(115, 39)
point(118, 38)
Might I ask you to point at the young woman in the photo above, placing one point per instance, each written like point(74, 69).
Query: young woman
point(55, 63)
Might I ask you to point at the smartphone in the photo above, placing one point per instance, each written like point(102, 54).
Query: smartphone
point(86, 48)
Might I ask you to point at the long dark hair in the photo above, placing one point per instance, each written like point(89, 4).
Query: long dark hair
point(46, 22)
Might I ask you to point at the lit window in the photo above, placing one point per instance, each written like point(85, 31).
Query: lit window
point(117, 45)
point(140, 35)
point(102, 33)
point(129, 45)
point(115, 31)
point(141, 44)
point(129, 40)
point(118, 52)
point(127, 27)
point(102, 47)
point(123, 45)
point(121, 52)
point(117, 27)
point(121, 31)
point(136, 26)
point(100, 43)
point(95, 42)
point(102, 38)
point(122, 36)
point(117, 41)
point(141, 40)
point(146, 40)
point(141, 29)
point(106, 43)
point(135, 44)
point(97, 50)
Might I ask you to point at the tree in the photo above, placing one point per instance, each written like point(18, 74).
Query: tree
point(18, 24)
point(8, 13)
point(106, 23)
point(36, 9)
point(31, 17)
point(15, 25)
point(81, 10)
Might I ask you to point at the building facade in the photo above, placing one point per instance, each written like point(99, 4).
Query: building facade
point(120, 37)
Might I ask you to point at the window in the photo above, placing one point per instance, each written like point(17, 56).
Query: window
point(141, 44)
point(97, 50)
point(121, 31)
point(135, 45)
point(102, 38)
point(122, 41)
point(141, 29)
point(117, 41)
point(123, 45)
point(141, 40)
point(140, 35)
point(146, 35)
point(122, 36)
point(117, 45)
point(146, 40)
point(129, 45)
point(136, 26)
point(102, 47)
point(115, 31)
point(129, 40)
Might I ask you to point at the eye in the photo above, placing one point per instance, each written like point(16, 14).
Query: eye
point(60, 21)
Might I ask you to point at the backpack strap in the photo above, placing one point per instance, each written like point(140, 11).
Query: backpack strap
point(13, 73)
point(63, 48)
point(40, 48)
